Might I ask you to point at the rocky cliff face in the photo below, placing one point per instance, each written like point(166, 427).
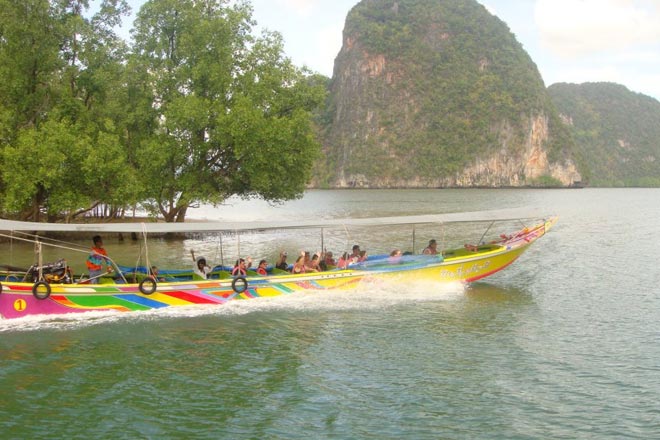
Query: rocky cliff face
point(526, 167)
point(616, 129)
point(438, 93)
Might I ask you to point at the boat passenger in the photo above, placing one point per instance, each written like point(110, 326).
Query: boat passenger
point(299, 265)
point(201, 270)
point(431, 249)
point(241, 266)
point(356, 252)
point(96, 259)
point(395, 257)
point(315, 264)
point(153, 273)
point(281, 262)
point(344, 260)
point(329, 260)
point(261, 270)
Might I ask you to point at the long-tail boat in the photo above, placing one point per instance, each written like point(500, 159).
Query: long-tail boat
point(47, 289)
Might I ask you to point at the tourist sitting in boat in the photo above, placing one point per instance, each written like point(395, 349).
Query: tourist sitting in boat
point(329, 260)
point(344, 261)
point(356, 253)
point(261, 269)
point(201, 270)
point(358, 256)
point(96, 259)
point(431, 249)
point(241, 267)
point(471, 247)
point(307, 259)
point(281, 262)
point(299, 265)
point(153, 273)
point(314, 265)
point(395, 257)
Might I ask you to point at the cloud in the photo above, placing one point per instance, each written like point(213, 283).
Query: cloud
point(572, 28)
point(300, 7)
point(329, 40)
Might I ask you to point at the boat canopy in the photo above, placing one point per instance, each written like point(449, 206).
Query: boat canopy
point(192, 226)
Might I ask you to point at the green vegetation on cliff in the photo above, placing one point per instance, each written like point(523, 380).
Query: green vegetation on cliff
point(616, 129)
point(433, 85)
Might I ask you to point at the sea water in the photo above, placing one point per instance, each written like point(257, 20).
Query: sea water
point(565, 343)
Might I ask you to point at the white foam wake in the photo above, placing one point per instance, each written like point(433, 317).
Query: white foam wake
point(369, 295)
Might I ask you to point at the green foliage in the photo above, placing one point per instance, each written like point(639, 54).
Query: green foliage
point(197, 110)
point(57, 77)
point(234, 116)
point(451, 77)
point(616, 129)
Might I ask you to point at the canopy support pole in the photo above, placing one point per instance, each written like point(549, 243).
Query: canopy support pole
point(484, 234)
point(413, 240)
point(222, 255)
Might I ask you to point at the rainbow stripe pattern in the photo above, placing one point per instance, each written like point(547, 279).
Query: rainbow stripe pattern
point(19, 299)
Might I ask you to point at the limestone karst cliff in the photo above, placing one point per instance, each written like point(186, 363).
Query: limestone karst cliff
point(438, 93)
point(617, 130)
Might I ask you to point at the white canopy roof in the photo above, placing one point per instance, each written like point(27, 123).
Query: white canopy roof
point(215, 226)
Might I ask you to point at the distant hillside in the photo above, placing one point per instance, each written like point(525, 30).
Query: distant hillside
point(616, 129)
point(438, 93)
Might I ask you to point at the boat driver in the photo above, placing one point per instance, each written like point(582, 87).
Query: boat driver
point(96, 259)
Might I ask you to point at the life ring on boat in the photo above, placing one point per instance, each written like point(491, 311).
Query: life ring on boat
point(148, 290)
point(239, 285)
point(40, 295)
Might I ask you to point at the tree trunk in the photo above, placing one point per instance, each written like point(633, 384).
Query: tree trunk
point(181, 215)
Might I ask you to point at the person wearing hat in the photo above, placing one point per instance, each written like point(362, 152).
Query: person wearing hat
point(431, 249)
point(201, 270)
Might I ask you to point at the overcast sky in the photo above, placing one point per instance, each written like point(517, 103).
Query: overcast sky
point(570, 40)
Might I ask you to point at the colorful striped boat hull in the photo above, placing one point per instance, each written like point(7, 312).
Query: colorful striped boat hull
point(461, 265)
